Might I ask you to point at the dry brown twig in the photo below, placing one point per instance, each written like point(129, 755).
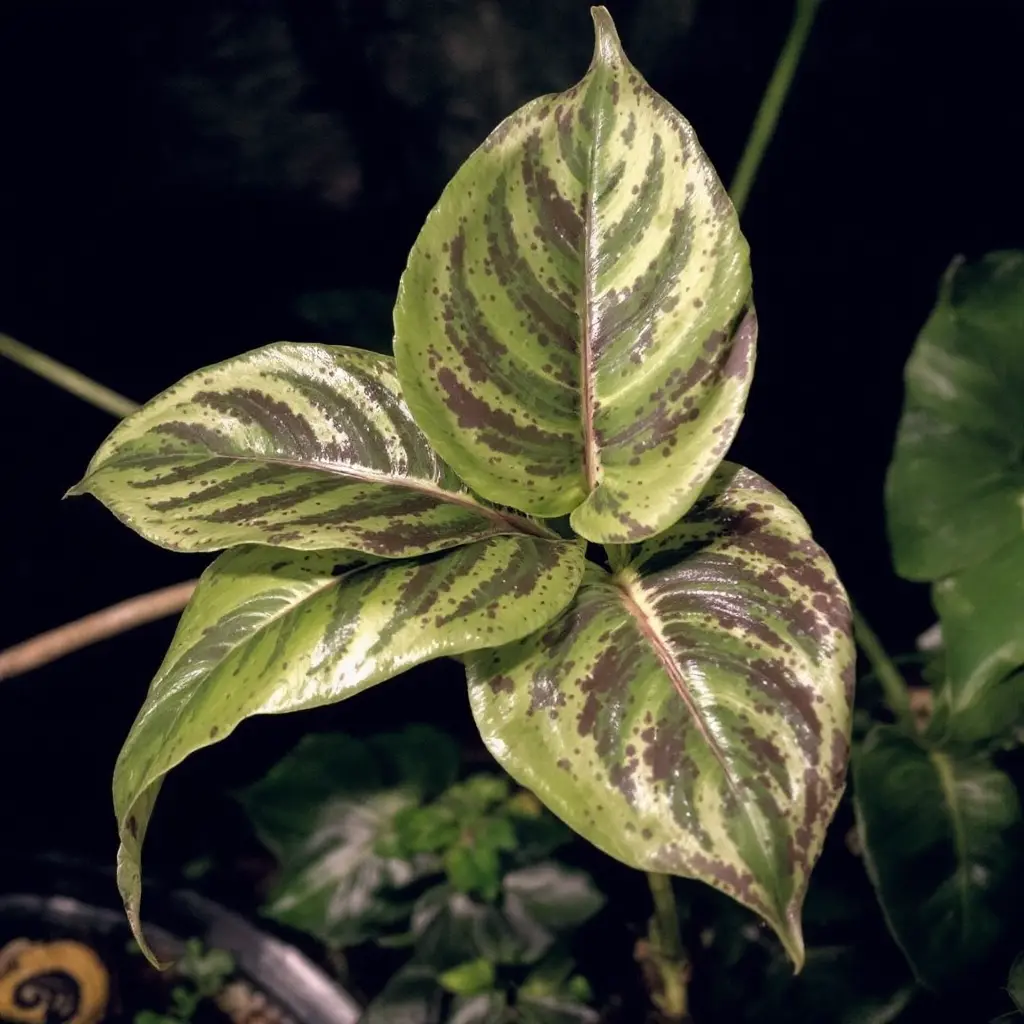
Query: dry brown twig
point(101, 625)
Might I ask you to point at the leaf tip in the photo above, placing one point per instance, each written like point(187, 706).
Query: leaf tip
point(607, 46)
point(791, 936)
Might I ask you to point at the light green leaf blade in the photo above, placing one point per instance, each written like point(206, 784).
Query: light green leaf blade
point(298, 446)
point(940, 836)
point(955, 488)
point(574, 329)
point(691, 714)
point(269, 631)
point(982, 615)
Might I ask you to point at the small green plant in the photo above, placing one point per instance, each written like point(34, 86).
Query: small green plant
point(202, 972)
point(392, 849)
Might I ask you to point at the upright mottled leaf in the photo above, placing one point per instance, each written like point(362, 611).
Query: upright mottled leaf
point(982, 614)
point(940, 836)
point(296, 446)
point(691, 713)
point(955, 489)
point(574, 330)
point(270, 631)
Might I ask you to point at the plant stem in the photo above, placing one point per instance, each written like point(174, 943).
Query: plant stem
point(667, 952)
point(73, 636)
point(897, 693)
point(772, 102)
point(64, 377)
point(618, 555)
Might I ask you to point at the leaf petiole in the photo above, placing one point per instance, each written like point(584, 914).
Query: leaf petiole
point(894, 686)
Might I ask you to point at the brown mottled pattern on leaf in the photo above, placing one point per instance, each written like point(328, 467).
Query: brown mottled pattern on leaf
point(296, 446)
point(574, 329)
point(270, 631)
point(691, 713)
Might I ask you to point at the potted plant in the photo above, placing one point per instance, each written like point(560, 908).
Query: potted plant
point(654, 644)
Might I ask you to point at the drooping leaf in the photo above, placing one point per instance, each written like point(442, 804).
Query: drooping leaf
point(982, 615)
point(940, 841)
point(691, 713)
point(574, 330)
point(297, 446)
point(955, 485)
point(322, 810)
point(269, 631)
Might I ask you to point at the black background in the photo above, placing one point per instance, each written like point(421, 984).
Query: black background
point(128, 253)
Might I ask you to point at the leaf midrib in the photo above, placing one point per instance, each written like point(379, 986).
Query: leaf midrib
point(637, 607)
point(947, 783)
point(590, 453)
point(462, 499)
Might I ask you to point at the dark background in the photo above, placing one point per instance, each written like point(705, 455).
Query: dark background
point(175, 176)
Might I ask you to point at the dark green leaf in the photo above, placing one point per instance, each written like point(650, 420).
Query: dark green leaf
point(954, 489)
point(269, 631)
point(982, 612)
point(940, 840)
point(574, 330)
point(691, 713)
point(322, 810)
point(296, 446)
point(420, 754)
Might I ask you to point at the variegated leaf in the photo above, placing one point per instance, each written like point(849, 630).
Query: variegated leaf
point(691, 713)
point(270, 631)
point(574, 329)
point(297, 446)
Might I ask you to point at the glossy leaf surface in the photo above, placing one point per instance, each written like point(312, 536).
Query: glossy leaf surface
point(573, 330)
point(691, 714)
point(955, 489)
point(296, 446)
point(269, 631)
point(982, 615)
point(940, 836)
point(323, 811)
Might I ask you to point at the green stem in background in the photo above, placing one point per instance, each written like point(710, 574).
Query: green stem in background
point(668, 955)
point(894, 686)
point(772, 102)
point(64, 377)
